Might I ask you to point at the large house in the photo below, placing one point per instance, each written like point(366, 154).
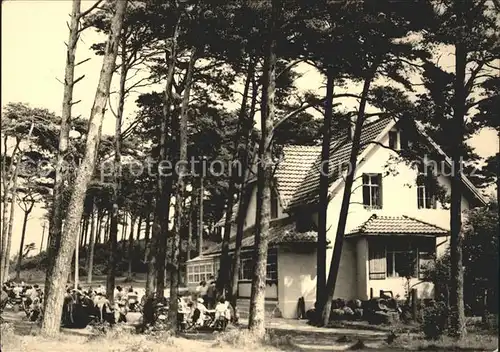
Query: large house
point(396, 222)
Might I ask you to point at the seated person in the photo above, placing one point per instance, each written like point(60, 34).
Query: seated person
point(120, 312)
point(17, 290)
point(104, 308)
point(199, 312)
point(119, 294)
point(222, 310)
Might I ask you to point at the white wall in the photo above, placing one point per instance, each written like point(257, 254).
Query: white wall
point(397, 286)
point(296, 278)
point(399, 197)
point(363, 268)
point(399, 194)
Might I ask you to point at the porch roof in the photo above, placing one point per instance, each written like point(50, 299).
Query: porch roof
point(397, 225)
point(280, 231)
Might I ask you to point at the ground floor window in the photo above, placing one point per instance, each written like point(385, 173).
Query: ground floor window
point(247, 261)
point(201, 272)
point(400, 257)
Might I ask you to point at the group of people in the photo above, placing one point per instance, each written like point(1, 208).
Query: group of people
point(124, 301)
point(195, 313)
point(205, 308)
point(29, 297)
point(208, 307)
point(208, 292)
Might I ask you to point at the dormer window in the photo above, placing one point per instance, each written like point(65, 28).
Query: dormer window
point(393, 140)
point(405, 142)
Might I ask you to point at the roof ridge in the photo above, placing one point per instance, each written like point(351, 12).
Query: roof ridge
point(364, 225)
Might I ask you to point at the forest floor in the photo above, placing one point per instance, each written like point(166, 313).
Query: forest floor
point(17, 334)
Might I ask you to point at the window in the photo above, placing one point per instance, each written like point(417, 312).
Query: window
point(272, 265)
point(400, 257)
point(372, 191)
point(401, 262)
point(405, 142)
point(377, 263)
point(201, 272)
point(426, 197)
point(426, 255)
point(393, 140)
point(274, 205)
point(246, 266)
point(247, 261)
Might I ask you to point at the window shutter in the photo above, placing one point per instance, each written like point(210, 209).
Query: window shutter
point(377, 261)
point(366, 196)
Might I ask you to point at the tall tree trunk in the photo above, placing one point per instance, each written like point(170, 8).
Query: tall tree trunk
point(243, 203)
point(264, 179)
point(246, 153)
point(62, 259)
point(56, 220)
point(43, 237)
point(339, 237)
point(200, 216)
point(6, 263)
point(81, 229)
point(150, 254)
point(100, 215)
point(90, 252)
point(192, 208)
point(131, 248)
point(85, 232)
point(147, 241)
point(163, 191)
point(23, 236)
point(113, 240)
point(139, 224)
point(124, 231)
point(224, 279)
point(180, 193)
point(323, 194)
point(107, 228)
point(7, 182)
point(457, 315)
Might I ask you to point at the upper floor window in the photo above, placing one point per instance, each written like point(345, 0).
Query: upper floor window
point(426, 195)
point(274, 205)
point(393, 140)
point(405, 140)
point(372, 191)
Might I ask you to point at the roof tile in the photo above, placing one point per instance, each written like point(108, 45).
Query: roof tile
point(400, 225)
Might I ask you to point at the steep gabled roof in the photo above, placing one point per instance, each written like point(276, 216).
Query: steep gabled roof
point(340, 151)
point(297, 175)
point(293, 167)
point(397, 225)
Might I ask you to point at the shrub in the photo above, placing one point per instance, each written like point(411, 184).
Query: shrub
point(435, 319)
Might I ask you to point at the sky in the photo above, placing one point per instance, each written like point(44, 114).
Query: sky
point(33, 59)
